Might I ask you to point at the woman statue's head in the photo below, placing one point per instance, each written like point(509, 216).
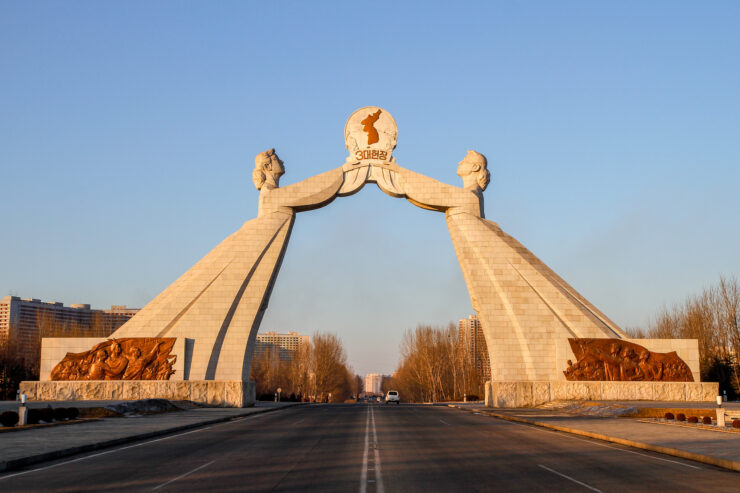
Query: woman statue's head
point(268, 168)
point(473, 169)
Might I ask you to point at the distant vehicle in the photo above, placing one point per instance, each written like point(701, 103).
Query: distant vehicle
point(392, 396)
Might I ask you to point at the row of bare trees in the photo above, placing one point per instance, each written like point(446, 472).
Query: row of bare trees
point(51, 324)
point(712, 317)
point(15, 367)
point(317, 371)
point(437, 365)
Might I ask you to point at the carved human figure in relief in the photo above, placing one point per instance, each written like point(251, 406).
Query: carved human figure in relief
point(117, 362)
point(649, 370)
point(611, 364)
point(99, 370)
point(138, 363)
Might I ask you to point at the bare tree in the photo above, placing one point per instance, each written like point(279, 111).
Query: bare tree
point(15, 367)
point(317, 371)
point(711, 317)
point(330, 368)
point(437, 364)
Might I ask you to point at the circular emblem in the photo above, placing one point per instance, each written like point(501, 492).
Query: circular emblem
point(370, 135)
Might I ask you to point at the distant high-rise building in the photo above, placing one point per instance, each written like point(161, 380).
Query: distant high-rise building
point(374, 383)
point(286, 345)
point(27, 320)
point(472, 333)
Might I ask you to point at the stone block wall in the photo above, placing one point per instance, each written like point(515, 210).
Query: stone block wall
point(209, 392)
point(531, 394)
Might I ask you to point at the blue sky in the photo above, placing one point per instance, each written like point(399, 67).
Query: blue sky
point(128, 132)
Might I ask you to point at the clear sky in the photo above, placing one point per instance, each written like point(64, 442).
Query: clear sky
point(128, 132)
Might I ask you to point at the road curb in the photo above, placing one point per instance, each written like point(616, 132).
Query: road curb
point(714, 461)
point(14, 464)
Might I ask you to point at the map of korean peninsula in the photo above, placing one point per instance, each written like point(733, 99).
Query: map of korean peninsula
point(369, 122)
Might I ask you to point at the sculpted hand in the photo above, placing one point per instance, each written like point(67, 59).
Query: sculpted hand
point(391, 165)
point(352, 163)
point(351, 160)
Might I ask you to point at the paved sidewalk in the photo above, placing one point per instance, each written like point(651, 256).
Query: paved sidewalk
point(711, 447)
point(25, 447)
point(13, 405)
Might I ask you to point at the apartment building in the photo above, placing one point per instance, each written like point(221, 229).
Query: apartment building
point(472, 333)
point(374, 383)
point(286, 345)
point(27, 320)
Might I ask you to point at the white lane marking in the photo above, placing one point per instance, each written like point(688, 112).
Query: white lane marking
point(99, 454)
point(445, 422)
point(378, 476)
point(363, 475)
point(595, 442)
point(182, 476)
point(299, 422)
point(569, 478)
point(131, 446)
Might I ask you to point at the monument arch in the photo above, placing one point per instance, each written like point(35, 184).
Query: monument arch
point(535, 324)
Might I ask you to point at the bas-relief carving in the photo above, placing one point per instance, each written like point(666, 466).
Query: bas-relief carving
point(617, 360)
point(120, 359)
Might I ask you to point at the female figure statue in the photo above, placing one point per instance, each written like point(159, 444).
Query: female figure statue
point(523, 306)
point(220, 301)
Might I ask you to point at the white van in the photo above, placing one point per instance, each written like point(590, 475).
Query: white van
point(392, 396)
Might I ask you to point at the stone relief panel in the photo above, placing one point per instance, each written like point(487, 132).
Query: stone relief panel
point(619, 360)
point(133, 358)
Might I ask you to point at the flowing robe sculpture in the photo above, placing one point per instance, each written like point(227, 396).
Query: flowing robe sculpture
point(220, 301)
point(524, 307)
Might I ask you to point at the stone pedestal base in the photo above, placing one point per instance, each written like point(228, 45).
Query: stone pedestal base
point(530, 394)
point(209, 392)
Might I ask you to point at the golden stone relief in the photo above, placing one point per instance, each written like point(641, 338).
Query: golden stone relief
point(134, 358)
point(618, 360)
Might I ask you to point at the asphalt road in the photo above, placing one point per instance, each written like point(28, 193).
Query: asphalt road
point(371, 448)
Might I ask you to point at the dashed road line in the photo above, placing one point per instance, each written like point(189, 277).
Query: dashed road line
point(594, 442)
point(363, 474)
point(569, 478)
point(378, 476)
point(101, 453)
point(133, 446)
point(182, 475)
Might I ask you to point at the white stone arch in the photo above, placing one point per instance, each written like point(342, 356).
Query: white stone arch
point(526, 310)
